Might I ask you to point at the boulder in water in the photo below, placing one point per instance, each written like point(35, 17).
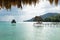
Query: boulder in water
point(13, 21)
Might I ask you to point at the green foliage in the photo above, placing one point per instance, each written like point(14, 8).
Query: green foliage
point(37, 18)
point(52, 19)
point(55, 18)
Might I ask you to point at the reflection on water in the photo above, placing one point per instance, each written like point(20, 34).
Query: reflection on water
point(55, 23)
point(26, 31)
point(48, 24)
point(13, 24)
point(48, 31)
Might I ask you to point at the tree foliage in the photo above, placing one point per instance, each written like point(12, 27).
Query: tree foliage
point(37, 19)
point(53, 19)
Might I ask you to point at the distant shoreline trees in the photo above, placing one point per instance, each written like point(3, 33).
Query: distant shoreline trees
point(38, 19)
point(52, 19)
point(49, 19)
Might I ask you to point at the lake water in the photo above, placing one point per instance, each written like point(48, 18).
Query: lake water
point(27, 31)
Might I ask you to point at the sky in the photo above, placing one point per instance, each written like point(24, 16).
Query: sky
point(28, 11)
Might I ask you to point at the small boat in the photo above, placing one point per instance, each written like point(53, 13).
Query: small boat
point(13, 21)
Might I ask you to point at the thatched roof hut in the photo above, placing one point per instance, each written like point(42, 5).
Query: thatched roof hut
point(8, 3)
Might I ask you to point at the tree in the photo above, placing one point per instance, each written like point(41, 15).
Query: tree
point(53, 19)
point(37, 19)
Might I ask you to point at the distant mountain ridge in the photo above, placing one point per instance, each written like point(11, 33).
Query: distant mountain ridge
point(43, 16)
point(49, 15)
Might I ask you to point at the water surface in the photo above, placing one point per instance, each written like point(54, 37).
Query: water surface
point(26, 31)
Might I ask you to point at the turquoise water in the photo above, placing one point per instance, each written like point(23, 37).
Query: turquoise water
point(26, 31)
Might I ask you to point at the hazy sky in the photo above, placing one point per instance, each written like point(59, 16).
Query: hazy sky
point(28, 11)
